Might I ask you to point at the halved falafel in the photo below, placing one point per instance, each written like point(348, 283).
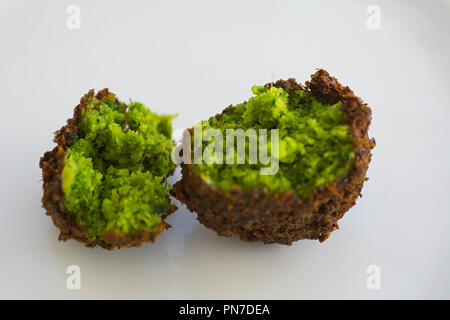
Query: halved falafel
point(105, 181)
point(323, 153)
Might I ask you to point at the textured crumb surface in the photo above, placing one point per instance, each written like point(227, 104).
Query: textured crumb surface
point(290, 214)
point(104, 184)
point(313, 143)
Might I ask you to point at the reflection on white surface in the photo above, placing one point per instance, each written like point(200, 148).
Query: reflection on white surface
point(194, 59)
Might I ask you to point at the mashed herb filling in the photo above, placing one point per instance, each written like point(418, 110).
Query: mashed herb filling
point(315, 146)
point(114, 178)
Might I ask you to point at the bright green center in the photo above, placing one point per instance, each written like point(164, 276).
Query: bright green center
point(315, 147)
point(114, 174)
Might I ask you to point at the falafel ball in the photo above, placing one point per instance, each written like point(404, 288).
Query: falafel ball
point(323, 154)
point(105, 181)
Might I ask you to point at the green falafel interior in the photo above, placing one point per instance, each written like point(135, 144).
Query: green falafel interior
point(315, 146)
point(114, 177)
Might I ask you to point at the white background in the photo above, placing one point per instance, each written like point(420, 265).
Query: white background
point(194, 58)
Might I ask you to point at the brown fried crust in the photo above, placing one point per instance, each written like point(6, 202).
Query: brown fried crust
point(52, 164)
point(283, 218)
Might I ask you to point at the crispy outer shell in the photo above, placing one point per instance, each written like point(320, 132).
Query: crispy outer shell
point(284, 218)
point(52, 164)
